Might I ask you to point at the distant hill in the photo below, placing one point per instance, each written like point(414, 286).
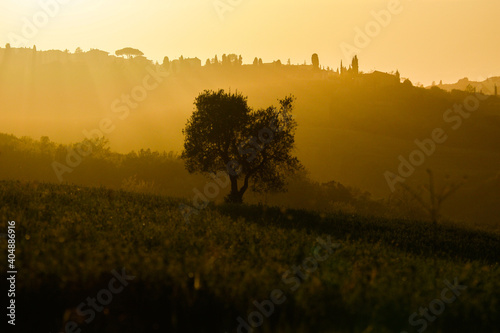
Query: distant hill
point(487, 86)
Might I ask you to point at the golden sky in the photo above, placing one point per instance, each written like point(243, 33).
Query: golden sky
point(426, 40)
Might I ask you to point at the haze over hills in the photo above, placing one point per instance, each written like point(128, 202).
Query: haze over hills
point(242, 166)
point(353, 128)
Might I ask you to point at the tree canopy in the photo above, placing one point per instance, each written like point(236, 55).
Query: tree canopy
point(315, 61)
point(253, 147)
point(129, 52)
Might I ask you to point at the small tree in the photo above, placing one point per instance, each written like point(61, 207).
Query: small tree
point(225, 135)
point(470, 89)
point(433, 206)
point(232, 59)
point(434, 203)
point(315, 61)
point(166, 63)
point(355, 65)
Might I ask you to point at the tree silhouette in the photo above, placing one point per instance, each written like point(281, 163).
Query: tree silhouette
point(166, 63)
point(129, 52)
point(315, 61)
point(470, 89)
point(355, 65)
point(225, 135)
point(407, 83)
point(434, 204)
point(256, 61)
point(231, 59)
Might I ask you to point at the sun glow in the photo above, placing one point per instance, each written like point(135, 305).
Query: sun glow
point(270, 30)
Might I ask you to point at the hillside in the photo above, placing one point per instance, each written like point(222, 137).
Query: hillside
point(145, 171)
point(352, 129)
point(377, 273)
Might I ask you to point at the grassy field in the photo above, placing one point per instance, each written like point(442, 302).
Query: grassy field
point(201, 276)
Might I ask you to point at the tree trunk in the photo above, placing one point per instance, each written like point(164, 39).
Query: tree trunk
point(244, 188)
point(236, 196)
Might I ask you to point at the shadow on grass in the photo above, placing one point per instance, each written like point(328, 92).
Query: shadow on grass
point(415, 237)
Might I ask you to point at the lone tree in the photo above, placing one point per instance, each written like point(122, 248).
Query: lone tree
point(129, 52)
point(224, 135)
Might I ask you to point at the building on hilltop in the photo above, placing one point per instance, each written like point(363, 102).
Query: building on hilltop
point(381, 79)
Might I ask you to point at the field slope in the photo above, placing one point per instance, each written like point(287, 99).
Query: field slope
point(201, 276)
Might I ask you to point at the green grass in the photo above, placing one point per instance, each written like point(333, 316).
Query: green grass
point(199, 277)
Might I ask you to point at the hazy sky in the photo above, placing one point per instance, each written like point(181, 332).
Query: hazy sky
point(425, 39)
